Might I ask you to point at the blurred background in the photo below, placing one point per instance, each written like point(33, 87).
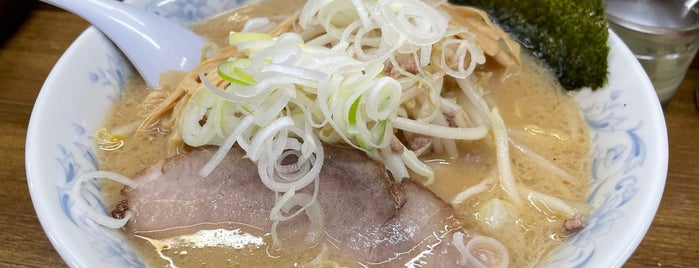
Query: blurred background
point(13, 13)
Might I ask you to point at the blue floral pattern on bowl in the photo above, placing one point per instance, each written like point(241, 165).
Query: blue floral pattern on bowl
point(114, 75)
point(187, 13)
point(79, 157)
point(609, 161)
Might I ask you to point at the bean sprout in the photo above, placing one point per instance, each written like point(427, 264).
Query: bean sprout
point(507, 179)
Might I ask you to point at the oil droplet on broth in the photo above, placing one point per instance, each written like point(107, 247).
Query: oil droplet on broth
point(218, 245)
point(214, 245)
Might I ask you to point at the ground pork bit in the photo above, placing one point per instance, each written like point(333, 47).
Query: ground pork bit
point(473, 158)
point(451, 119)
point(420, 143)
point(406, 63)
point(396, 146)
point(120, 209)
point(572, 226)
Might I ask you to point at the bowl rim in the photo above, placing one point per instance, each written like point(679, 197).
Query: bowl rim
point(659, 145)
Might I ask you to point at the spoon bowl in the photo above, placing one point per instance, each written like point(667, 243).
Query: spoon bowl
point(152, 43)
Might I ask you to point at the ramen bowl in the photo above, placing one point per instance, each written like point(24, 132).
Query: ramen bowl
point(629, 151)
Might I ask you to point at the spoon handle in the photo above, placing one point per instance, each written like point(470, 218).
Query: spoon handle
point(152, 43)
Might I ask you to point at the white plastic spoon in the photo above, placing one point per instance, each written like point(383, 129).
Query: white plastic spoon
point(152, 43)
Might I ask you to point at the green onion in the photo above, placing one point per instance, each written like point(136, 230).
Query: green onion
point(352, 115)
point(379, 131)
point(361, 144)
point(232, 71)
point(239, 37)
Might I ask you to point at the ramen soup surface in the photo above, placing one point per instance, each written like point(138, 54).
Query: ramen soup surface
point(539, 114)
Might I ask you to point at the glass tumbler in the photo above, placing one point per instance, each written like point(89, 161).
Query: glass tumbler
point(662, 34)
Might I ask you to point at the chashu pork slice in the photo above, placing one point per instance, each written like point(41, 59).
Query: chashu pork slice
point(366, 214)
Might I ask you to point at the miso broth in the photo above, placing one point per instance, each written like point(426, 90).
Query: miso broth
point(542, 118)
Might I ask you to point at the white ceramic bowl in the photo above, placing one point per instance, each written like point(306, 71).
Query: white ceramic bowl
point(629, 159)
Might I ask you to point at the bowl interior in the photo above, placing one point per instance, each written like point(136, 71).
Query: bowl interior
point(629, 151)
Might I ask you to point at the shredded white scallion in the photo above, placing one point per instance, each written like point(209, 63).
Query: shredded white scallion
point(338, 76)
